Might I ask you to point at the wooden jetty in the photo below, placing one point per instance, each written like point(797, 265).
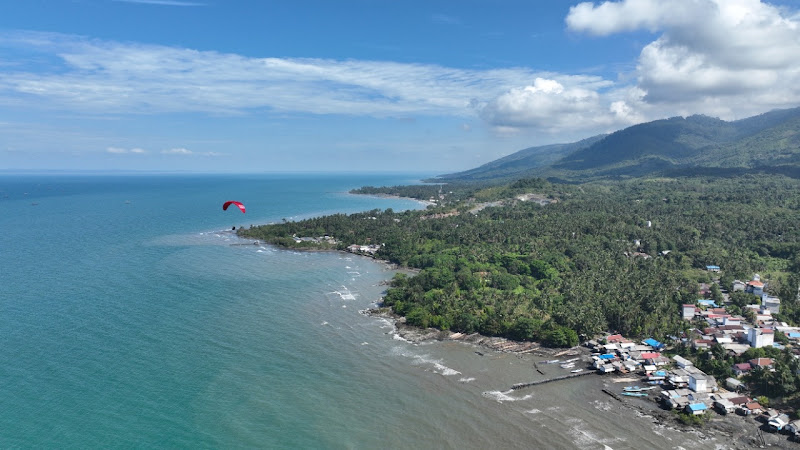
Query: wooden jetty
point(550, 380)
point(615, 396)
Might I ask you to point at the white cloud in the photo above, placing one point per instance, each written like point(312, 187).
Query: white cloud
point(177, 151)
point(551, 105)
point(721, 57)
point(112, 77)
point(120, 151)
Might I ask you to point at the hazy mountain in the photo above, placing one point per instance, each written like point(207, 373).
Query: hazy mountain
point(767, 142)
point(519, 164)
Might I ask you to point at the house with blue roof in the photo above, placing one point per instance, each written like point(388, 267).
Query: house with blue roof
point(696, 408)
point(653, 343)
point(712, 268)
point(707, 303)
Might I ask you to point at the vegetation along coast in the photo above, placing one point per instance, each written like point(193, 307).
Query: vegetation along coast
point(669, 250)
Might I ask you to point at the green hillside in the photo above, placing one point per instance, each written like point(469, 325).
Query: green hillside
point(768, 142)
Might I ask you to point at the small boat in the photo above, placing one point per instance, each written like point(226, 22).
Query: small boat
point(635, 394)
point(567, 365)
point(576, 370)
point(571, 360)
point(552, 361)
point(637, 388)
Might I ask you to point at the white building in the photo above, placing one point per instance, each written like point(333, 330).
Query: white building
point(760, 337)
point(698, 382)
point(681, 361)
point(770, 303)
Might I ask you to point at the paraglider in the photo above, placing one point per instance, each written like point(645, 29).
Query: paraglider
point(232, 202)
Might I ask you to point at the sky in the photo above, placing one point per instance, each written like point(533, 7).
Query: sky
point(370, 85)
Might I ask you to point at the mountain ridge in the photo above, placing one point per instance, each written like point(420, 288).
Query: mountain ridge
point(766, 141)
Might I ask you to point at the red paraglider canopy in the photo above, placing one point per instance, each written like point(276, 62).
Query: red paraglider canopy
point(232, 202)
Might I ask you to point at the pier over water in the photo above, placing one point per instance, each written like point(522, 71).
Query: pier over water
point(550, 380)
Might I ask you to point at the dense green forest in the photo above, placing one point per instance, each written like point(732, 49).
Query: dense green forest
point(603, 256)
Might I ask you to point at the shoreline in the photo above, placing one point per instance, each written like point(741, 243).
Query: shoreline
point(733, 431)
point(426, 203)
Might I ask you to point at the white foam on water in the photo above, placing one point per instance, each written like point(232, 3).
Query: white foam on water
point(446, 371)
point(466, 379)
point(585, 438)
point(365, 343)
point(602, 406)
point(396, 336)
point(501, 397)
point(534, 411)
point(324, 323)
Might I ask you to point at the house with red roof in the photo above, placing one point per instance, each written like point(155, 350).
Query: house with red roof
point(741, 369)
point(764, 363)
point(755, 286)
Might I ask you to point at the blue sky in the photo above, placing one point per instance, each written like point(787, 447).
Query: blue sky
point(370, 85)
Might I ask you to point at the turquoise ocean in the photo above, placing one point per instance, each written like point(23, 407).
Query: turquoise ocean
point(130, 317)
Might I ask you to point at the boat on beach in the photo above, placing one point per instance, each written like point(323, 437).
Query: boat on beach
point(552, 361)
point(637, 388)
point(567, 365)
point(576, 370)
point(635, 394)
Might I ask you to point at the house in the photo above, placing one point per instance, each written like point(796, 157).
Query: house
point(733, 384)
point(777, 423)
point(753, 408)
point(741, 369)
point(738, 286)
point(698, 382)
point(696, 409)
point(724, 406)
point(760, 337)
point(605, 368)
point(650, 355)
point(712, 268)
point(755, 286)
point(732, 320)
point(702, 343)
point(659, 361)
point(793, 427)
point(763, 363)
point(681, 361)
point(736, 349)
point(708, 303)
point(722, 340)
point(770, 303)
point(653, 343)
point(689, 311)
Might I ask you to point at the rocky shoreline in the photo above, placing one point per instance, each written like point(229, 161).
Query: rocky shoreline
point(417, 335)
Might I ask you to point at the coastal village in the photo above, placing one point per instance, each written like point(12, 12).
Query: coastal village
point(677, 384)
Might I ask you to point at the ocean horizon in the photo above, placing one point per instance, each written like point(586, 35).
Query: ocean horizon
point(131, 315)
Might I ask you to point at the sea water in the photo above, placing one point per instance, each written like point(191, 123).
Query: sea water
point(131, 316)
